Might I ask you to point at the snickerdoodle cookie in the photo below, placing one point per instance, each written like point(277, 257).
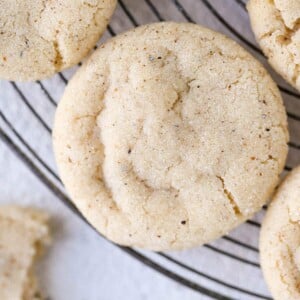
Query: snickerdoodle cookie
point(169, 136)
point(276, 27)
point(39, 38)
point(280, 240)
point(23, 233)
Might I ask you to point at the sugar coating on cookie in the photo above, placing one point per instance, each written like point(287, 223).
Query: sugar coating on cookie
point(276, 27)
point(23, 234)
point(280, 240)
point(39, 38)
point(169, 136)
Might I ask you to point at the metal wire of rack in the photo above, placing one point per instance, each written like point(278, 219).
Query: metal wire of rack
point(238, 250)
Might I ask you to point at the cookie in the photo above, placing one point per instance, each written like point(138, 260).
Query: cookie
point(276, 27)
point(39, 38)
point(169, 136)
point(280, 240)
point(23, 233)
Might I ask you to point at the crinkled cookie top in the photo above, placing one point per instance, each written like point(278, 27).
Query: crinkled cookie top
point(276, 25)
point(280, 240)
point(39, 38)
point(169, 136)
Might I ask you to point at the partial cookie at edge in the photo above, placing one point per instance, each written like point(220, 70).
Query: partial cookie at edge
point(40, 38)
point(23, 234)
point(280, 240)
point(276, 25)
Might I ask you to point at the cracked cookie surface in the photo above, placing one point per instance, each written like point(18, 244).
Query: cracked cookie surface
point(169, 136)
point(276, 25)
point(280, 240)
point(39, 38)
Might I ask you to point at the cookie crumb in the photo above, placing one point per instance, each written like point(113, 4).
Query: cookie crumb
point(28, 229)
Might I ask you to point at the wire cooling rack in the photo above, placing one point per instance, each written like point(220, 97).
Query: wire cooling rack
point(225, 269)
